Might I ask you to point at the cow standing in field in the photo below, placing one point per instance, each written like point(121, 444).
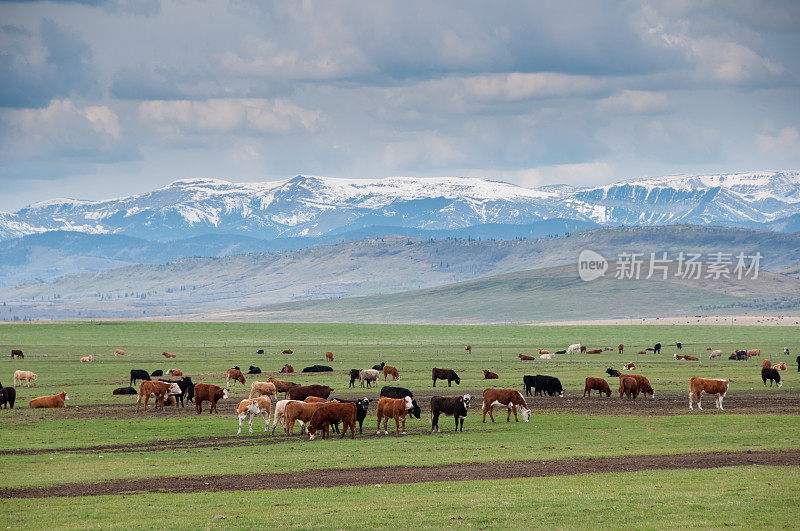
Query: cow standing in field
point(24, 376)
point(510, 398)
point(17, 353)
point(657, 348)
point(159, 390)
point(235, 375)
point(362, 405)
point(574, 348)
point(596, 384)
point(8, 395)
point(353, 377)
point(56, 400)
point(395, 408)
point(212, 393)
point(302, 412)
point(389, 391)
point(333, 413)
point(753, 352)
point(628, 387)
point(445, 374)
point(370, 376)
point(709, 386)
point(138, 374)
point(388, 370)
point(643, 384)
point(621, 347)
point(329, 356)
point(301, 392)
point(457, 406)
point(264, 388)
point(250, 407)
point(768, 373)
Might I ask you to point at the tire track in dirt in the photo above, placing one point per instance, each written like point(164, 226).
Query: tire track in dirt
point(349, 477)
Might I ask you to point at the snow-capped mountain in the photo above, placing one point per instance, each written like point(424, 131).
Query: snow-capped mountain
point(314, 206)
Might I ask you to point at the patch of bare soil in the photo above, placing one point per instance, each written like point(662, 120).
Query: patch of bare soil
point(348, 477)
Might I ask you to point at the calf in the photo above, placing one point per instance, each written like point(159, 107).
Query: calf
point(168, 355)
point(287, 369)
point(329, 356)
point(547, 356)
point(643, 384)
point(260, 351)
point(715, 354)
point(299, 411)
point(250, 407)
point(174, 372)
point(301, 392)
point(119, 352)
point(17, 353)
point(124, 391)
point(395, 408)
point(595, 351)
point(264, 388)
point(318, 368)
point(333, 413)
point(186, 386)
point(657, 348)
point(287, 351)
point(488, 375)
point(686, 357)
point(56, 400)
point(768, 373)
point(253, 370)
point(468, 349)
point(547, 384)
point(8, 395)
point(780, 367)
point(628, 387)
point(353, 377)
point(235, 375)
point(766, 363)
point(212, 393)
point(753, 352)
point(388, 370)
point(630, 366)
point(87, 359)
point(524, 357)
point(24, 376)
point(281, 386)
point(401, 392)
point(709, 386)
point(543, 351)
point(613, 372)
point(445, 374)
point(370, 376)
point(457, 406)
point(137, 374)
point(362, 405)
point(561, 351)
point(574, 348)
point(596, 384)
point(510, 398)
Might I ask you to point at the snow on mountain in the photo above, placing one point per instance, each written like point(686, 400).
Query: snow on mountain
point(313, 206)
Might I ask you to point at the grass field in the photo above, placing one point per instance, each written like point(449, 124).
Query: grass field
point(99, 437)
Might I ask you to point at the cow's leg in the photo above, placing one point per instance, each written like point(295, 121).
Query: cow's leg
point(379, 425)
point(449, 383)
point(250, 423)
point(404, 425)
point(240, 425)
point(699, 398)
point(434, 421)
point(690, 400)
point(386, 425)
point(508, 418)
point(484, 414)
point(516, 419)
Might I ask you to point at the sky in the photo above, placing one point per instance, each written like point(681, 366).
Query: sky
point(102, 99)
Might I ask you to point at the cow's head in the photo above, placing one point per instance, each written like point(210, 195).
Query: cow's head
point(412, 407)
point(224, 393)
point(456, 379)
point(466, 399)
point(253, 408)
point(34, 377)
point(64, 395)
point(311, 432)
point(363, 403)
point(526, 413)
point(174, 389)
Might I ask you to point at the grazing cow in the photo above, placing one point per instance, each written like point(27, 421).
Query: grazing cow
point(401, 392)
point(642, 352)
point(708, 348)
point(543, 351)
point(353, 377)
point(388, 370)
point(547, 356)
point(250, 407)
point(168, 355)
point(362, 405)
point(235, 375)
point(715, 354)
point(648, 349)
point(686, 357)
point(768, 373)
point(56, 400)
point(594, 351)
point(445, 374)
point(329, 356)
point(155, 373)
point(457, 406)
point(524, 357)
point(753, 352)
point(301, 392)
point(583, 349)
point(124, 391)
point(318, 368)
point(395, 408)
point(260, 351)
point(468, 349)
point(264, 388)
point(628, 387)
point(621, 348)
point(643, 384)
point(529, 382)
point(87, 359)
point(780, 366)
point(547, 384)
point(281, 385)
point(333, 413)
point(137, 374)
point(212, 393)
point(280, 415)
point(596, 384)
point(370, 376)
point(613, 372)
point(159, 390)
point(296, 411)
point(657, 348)
point(380, 366)
point(679, 345)
point(174, 372)
point(709, 386)
point(488, 375)
point(253, 370)
point(287, 351)
point(766, 363)
point(786, 350)
point(510, 398)
point(574, 348)
point(24, 376)
point(630, 366)
point(287, 369)
point(17, 353)
point(119, 352)
point(561, 351)
point(8, 395)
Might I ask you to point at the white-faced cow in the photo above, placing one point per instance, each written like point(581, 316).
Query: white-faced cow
point(510, 398)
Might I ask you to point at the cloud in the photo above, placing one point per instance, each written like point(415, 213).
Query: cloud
point(63, 124)
point(784, 145)
point(137, 7)
point(634, 102)
point(577, 174)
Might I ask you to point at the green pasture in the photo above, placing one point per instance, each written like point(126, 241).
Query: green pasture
point(745, 497)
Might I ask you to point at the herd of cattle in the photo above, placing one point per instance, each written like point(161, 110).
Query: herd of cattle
point(317, 412)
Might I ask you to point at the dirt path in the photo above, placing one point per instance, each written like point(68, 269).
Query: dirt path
point(347, 477)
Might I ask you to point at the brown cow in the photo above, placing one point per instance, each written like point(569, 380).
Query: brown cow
point(641, 352)
point(174, 372)
point(210, 392)
point(780, 366)
point(642, 383)
point(333, 413)
point(168, 355)
point(630, 366)
point(56, 400)
point(709, 386)
point(621, 347)
point(596, 384)
point(119, 352)
point(523, 357)
point(753, 352)
point(766, 364)
point(687, 357)
point(301, 392)
point(281, 386)
point(329, 356)
point(17, 353)
point(250, 407)
point(264, 388)
point(388, 370)
point(287, 369)
point(510, 398)
point(628, 387)
point(395, 408)
point(468, 349)
point(595, 351)
point(488, 375)
point(235, 375)
point(87, 359)
point(312, 399)
point(543, 351)
point(287, 351)
point(158, 389)
point(299, 411)
point(583, 349)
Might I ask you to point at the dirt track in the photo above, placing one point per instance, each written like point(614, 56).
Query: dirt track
point(398, 475)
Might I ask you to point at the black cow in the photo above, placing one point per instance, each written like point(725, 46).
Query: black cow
point(16, 352)
point(137, 374)
point(445, 374)
point(254, 370)
point(547, 384)
point(125, 391)
point(657, 348)
point(236, 367)
point(353, 377)
point(362, 405)
point(561, 351)
point(379, 367)
point(768, 373)
point(679, 345)
point(318, 368)
point(798, 363)
point(159, 372)
point(401, 392)
point(739, 355)
point(613, 372)
point(8, 395)
point(260, 351)
point(187, 389)
point(449, 405)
